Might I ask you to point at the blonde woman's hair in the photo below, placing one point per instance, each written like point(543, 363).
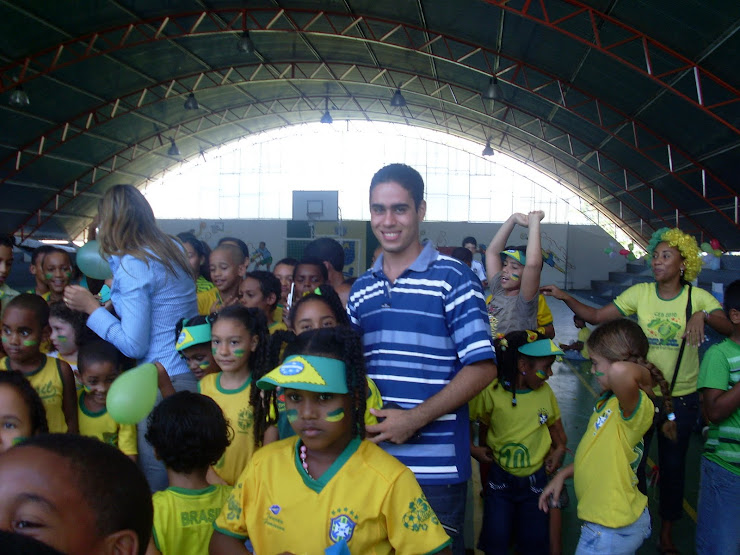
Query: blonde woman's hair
point(128, 226)
point(624, 340)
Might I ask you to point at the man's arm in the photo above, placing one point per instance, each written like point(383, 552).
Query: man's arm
point(399, 425)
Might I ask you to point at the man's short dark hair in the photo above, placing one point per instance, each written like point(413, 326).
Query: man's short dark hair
point(732, 297)
point(110, 482)
point(406, 176)
point(188, 431)
point(328, 250)
point(470, 240)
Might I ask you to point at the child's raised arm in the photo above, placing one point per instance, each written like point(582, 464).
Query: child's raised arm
point(163, 381)
point(69, 397)
point(533, 268)
point(624, 380)
point(493, 258)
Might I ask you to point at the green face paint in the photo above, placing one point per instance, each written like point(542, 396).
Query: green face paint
point(335, 415)
point(292, 415)
point(62, 338)
point(213, 351)
point(515, 277)
point(205, 365)
point(18, 440)
point(48, 276)
point(5, 339)
point(541, 374)
point(599, 374)
point(239, 353)
point(87, 389)
point(68, 274)
point(30, 342)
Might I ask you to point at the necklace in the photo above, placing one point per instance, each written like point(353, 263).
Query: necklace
point(304, 456)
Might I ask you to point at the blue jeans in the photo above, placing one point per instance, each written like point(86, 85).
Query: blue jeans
point(596, 538)
point(717, 528)
point(153, 469)
point(510, 509)
point(672, 457)
point(448, 502)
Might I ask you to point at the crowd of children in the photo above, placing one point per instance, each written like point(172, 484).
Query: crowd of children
point(270, 455)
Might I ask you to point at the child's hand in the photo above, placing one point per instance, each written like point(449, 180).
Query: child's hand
point(552, 490)
point(481, 454)
point(520, 219)
point(553, 291)
point(535, 216)
point(554, 460)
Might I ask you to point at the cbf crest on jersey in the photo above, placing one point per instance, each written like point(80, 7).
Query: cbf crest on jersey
point(342, 526)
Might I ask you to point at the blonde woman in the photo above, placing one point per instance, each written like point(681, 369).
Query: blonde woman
point(153, 289)
point(661, 308)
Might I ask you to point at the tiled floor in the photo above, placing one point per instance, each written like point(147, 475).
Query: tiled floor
point(576, 391)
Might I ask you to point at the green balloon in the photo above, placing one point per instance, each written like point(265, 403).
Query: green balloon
point(91, 263)
point(132, 395)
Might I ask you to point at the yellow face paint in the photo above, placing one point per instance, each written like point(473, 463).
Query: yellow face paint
point(205, 365)
point(336, 415)
point(541, 374)
point(515, 277)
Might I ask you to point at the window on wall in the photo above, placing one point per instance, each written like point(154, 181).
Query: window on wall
point(254, 177)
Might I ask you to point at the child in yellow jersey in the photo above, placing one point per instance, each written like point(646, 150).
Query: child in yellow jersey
point(227, 265)
point(188, 433)
point(614, 511)
point(25, 327)
point(525, 441)
point(261, 289)
point(22, 413)
point(321, 308)
point(239, 345)
point(327, 488)
point(99, 364)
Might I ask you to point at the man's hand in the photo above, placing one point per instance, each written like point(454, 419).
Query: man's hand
point(398, 425)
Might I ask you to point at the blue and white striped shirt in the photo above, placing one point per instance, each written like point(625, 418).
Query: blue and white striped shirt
point(418, 333)
point(149, 301)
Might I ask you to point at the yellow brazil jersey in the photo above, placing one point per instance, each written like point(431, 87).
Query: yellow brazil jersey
point(102, 426)
point(366, 498)
point(206, 299)
point(47, 381)
point(183, 518)
point(277, 315)
point(606, 461)
point(238, 412)
point(544, 314)
point(664, 323)
point(519, 436)
point(583, 334)
point(276, 326)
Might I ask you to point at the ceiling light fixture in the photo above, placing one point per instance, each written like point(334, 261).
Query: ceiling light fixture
point(245, 43)
point(326, 118)
point(173, 150)
point(19, 98)
point(398, 101)
point(493, 90)
point(191, 103)
point(487, 151)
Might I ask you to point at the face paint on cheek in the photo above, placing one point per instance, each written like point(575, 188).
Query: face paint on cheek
point(514, 277)
point(239, 353)
point(213, 350)
point(541, 374)
point(291, 415)
point(335, 415)
point(5, 339)
point(48, 276)
point(86, 389)
point(68, 274)
point(18, 440)
point(599, 374)
point(30, 342)
point(62, 338)
point(205, 365)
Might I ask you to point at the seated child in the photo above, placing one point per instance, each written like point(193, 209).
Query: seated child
point(76, 494)
point(227, 265)
point(514, 276)
point(189, 434)
point(99, 365)
point(239, 342)
point(193, 342)
point(22, 413)
point(522, 418)
point(719, 510)
point(328, 486)
point(577, 349)
point(57, 268)
point(68, 332)
point(614, 511)
point(25, 327)
point(260, 289)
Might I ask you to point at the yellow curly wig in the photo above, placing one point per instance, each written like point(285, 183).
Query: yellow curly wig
point(685, 244)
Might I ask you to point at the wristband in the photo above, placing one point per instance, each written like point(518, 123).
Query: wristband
point(706, 315)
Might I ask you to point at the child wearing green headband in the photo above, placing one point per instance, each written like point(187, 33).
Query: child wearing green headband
point(525, 441)
point(326, 490)
point(514, 276)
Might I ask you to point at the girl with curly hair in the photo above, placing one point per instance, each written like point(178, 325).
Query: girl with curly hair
point(672, 314)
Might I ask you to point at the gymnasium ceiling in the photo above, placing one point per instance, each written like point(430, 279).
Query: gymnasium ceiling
point(634, 105)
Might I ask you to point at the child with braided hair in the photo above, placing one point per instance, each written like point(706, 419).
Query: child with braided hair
point(614, 511)
point(525, 441)
point(327, 489)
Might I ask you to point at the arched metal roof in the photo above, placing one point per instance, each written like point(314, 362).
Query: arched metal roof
point(634, 106)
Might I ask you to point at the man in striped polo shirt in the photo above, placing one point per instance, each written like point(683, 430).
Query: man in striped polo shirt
point(427, 345)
